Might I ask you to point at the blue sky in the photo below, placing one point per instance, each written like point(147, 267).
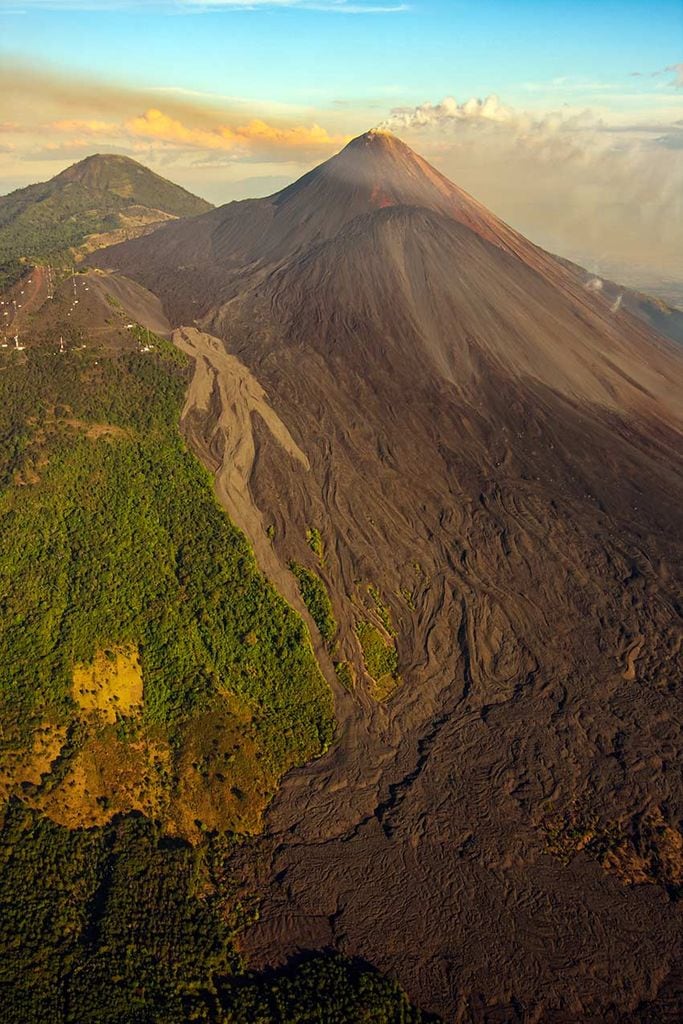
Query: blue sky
point(311, 57)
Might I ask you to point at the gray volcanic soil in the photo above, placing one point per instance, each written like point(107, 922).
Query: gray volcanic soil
point(483, 440)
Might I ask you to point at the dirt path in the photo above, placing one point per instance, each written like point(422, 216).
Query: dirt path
point(225, 388)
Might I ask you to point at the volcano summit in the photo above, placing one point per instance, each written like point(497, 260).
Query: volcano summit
point(490, 464)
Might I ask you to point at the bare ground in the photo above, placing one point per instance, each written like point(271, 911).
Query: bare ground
point(487, 444)
point(538, 658)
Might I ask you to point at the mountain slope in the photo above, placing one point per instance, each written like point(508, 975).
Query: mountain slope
point(133, 183)
point(152, 689)
point(657, 314)
point(99, 194)
point(378, 201)
point(372, 173)
point(491, 493)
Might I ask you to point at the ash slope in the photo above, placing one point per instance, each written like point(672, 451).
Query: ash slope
point(499, 455)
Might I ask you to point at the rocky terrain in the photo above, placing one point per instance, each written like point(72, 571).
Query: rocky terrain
point(480, 457)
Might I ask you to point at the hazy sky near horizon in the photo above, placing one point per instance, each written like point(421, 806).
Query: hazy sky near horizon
point(566, 117)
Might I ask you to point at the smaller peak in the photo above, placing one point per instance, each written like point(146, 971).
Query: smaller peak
point(108, 158)
point(103, 158)
point(97, 163)
point(131, 182)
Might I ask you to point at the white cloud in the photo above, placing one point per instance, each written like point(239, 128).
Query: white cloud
point(677, 70)
point(449, 111)
point(449, 115)
point(592, 184)
point(671, 69)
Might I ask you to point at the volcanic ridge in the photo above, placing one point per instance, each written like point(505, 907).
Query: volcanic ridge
point(479, 457)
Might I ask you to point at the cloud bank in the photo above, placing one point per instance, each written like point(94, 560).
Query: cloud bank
point(602, 189)
point(55, 114)
point(155, 125)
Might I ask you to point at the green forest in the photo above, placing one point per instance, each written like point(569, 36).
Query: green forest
point(112, 536)
point(316, 598)
point(44, 227)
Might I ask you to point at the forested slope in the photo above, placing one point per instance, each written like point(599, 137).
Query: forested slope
point(153, 689)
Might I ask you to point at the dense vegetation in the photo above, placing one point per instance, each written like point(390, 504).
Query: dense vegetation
point(121, 926)
point(46, 226)
point(315, 542)
point(112, 537)
point(106, 924)
point(116, 538)
point(316, 598)
point(380, 657)
point(345, 674)
point(319, 990)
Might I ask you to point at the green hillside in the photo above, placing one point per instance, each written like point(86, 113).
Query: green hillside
point(120, 906)
point(118, 568)
point(98, 195)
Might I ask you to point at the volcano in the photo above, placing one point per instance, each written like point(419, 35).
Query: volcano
point(481, 461)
